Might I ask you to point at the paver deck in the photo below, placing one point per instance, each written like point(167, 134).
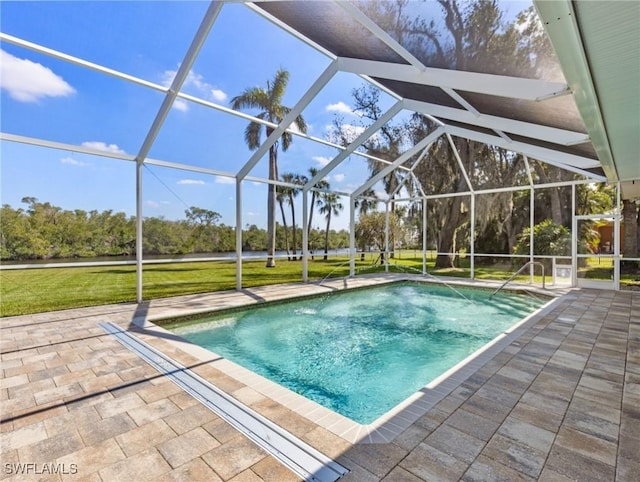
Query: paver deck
point(560, 402)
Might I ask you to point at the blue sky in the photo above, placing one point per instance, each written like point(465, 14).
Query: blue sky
point(54, 100)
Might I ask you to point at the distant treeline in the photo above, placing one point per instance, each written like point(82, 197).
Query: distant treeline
point(45, 231)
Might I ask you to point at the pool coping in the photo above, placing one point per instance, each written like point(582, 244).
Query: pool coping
point(395, 421)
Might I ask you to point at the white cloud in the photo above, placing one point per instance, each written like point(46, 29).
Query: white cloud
point(218, 95)
point(225, 180)
point(294, 127)
point(252, 213)
point(103, 146)
point(338, 177)
point(181, 105)
point(193, 82)
point(167, 77)
point(190, 181)
point(28, 81)
point(321, 160)
point(73, 162)
point(340, 107)
point(351, 132)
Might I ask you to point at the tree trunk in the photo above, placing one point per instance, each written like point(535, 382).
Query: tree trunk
point(392, 240)
point(326, 237)
point(286, 229)
point(447, 236)
point(630, 241)
point(638, 227)
point(311, 208)
point(554, 194)
point(271, 210)
point(293, 221)
point(630, 221)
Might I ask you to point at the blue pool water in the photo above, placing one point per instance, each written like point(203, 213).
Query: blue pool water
point(361, 352)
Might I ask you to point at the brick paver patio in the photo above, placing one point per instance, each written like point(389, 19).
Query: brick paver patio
point(561, 402)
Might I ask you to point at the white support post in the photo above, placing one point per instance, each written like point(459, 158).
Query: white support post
point(386, 238)
point(139, 232)
point(574, 239)
point(472, 234)
point(424, 236)
point(352, 236)
point(532, 207)
point(305, 235)
point(616, 240)
point(238, 234)
point(528, 168)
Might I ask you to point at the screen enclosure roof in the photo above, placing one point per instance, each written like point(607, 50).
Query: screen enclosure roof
point(579, 109)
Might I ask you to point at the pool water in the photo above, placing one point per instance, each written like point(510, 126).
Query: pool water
point(361, 352)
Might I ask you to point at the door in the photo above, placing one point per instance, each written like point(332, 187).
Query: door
point(596, 249)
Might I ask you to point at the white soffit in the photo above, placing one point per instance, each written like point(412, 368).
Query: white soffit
point(598, 47)
point(630, 189)
point(611, 38)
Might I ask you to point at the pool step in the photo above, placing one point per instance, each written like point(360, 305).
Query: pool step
point(299, 457)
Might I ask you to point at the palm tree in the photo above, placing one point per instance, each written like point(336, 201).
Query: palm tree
point(269, 102)
point(315, 200)
point(330, 205)
point(291, 192)
point(282, 194)
point(369, 201)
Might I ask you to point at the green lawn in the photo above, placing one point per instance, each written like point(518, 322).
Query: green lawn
point(48, 289)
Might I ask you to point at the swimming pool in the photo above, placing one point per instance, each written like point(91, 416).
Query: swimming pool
point(361, 352)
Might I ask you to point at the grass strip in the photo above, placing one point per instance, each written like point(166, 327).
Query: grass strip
point(35, 290)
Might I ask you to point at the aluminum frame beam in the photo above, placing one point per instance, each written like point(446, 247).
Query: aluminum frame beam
point(4, 37)
point(383, 36)
point(194, 48)
point(368, 132)
point(406, 155)
point(463, 169)
point(65, 147)
point(489, 84)
point(183, 71)
point(409, 175)
point(569, 162)
point(535, 131)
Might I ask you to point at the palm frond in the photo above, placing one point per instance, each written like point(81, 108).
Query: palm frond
point(252, 134)
point(251, 98)
point(278, 87)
